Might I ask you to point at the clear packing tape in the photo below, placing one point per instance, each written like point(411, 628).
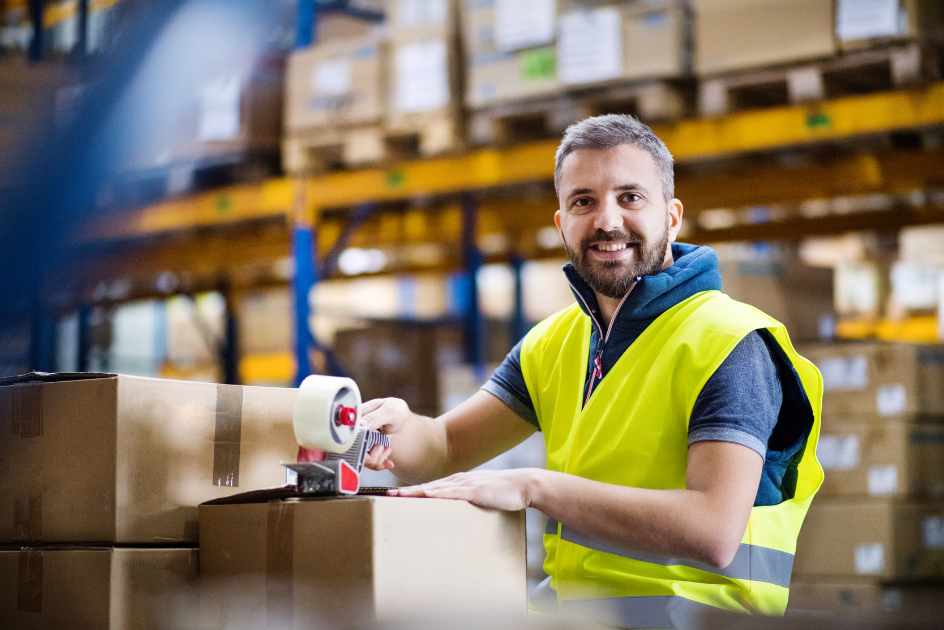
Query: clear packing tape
point(327, 413)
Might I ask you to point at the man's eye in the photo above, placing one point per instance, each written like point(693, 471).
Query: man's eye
point(582, 202)
point(631, 197)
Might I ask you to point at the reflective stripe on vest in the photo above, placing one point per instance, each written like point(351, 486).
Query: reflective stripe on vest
point(664, 612)
point(751, 562)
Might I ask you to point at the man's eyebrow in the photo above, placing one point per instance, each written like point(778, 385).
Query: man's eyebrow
point(631, 187)
point(579, 191)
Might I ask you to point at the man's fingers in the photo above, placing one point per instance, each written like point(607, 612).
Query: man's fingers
point(371, 405)
point(377, 458)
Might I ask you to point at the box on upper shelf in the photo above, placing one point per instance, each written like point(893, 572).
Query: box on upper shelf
point(424, 70)
point(124, 459)
point(347, 561)
point(881, 380)
point(622, 41)
point(740, 34)
point(99, 589)
point(861, 24)
point(885, 539)
point(335, 83)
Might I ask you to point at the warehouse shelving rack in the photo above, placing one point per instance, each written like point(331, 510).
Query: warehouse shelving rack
point(856, 145)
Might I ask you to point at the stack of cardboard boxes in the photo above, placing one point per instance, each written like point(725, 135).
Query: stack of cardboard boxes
point(369, 92)
point(334, 97)
point(757, 53)
point(874, 536)
point(100, 479)
point(424, 102)
point(541, 65)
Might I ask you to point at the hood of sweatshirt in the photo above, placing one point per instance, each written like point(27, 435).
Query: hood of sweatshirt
point(695, 270)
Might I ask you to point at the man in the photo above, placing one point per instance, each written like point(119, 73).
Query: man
point(680, 425)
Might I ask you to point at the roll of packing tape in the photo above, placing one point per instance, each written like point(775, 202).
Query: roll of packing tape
point(327, 412)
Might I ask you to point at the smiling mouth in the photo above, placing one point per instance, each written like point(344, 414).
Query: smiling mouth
point(611, 246)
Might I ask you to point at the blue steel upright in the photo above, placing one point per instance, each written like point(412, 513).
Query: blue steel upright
point(303, 241)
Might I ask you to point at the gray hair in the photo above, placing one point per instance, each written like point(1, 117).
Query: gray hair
point(611, 130)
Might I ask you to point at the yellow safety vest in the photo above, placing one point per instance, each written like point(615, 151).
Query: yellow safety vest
point(634, 432)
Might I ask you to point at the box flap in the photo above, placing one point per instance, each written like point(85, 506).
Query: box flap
point(288, 492)
point(52, 377)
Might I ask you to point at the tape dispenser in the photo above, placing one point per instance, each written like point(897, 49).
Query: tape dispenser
point(327, 425)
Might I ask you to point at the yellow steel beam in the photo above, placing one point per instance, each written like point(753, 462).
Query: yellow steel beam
point(688, 140)
point(780, 127)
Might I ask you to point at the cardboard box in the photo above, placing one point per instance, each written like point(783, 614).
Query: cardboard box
point(861, 24)
point(266, 321)
point(124, 459)
point(866, 596)
point(738, 34)
point(99, 589)
point(657, 41)
point(336, 83)
point(424, 70)
point(894, 459)
point(881, 538)
point(795, 294)
point(230, 112)
point(416, 18)
point(478, 27)
point(496, 77)
point(875, 379)
point(341, 562)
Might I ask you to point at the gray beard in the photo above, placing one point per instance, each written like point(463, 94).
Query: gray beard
point(614, 278)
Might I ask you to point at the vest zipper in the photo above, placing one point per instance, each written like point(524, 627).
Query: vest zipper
point(597, 373)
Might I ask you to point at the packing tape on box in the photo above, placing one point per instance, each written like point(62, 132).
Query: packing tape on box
point(29, 582)
point(27, 410)
point(229, 421)
point(315, 420)
point(280, 534)
point(28, 518)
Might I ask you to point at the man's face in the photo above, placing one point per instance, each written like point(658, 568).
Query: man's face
point(613, 218)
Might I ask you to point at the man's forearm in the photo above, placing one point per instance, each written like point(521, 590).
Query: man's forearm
point(674, 523)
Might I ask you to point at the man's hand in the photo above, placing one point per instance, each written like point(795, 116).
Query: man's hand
point(496, 489)
point(387, 415)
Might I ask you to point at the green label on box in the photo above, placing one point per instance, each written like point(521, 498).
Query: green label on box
point(538, 64)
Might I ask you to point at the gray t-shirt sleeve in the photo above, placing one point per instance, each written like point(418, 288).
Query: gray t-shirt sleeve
point(741, 401)
point(507, 384)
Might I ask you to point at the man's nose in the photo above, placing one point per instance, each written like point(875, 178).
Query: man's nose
point(609, 216)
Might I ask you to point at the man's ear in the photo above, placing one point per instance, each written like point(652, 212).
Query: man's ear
point(557, 219)
point(675, 210)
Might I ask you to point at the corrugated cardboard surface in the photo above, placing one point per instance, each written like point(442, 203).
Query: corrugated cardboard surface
point(363, 100)
point(875, 458)
point(496, 77)
point(879, 538)
point(99, 589)
point(739, 34)
point(880, 380)
point(852, 595)
point(128, 459)
point(410, 121)
point(656, 42)
point(357, 559)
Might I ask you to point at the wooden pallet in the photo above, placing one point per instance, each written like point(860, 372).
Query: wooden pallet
point(325, 149)
point(852, 73)
point(545, 117)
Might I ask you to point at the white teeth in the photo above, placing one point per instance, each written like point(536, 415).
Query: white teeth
point(612, 247)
